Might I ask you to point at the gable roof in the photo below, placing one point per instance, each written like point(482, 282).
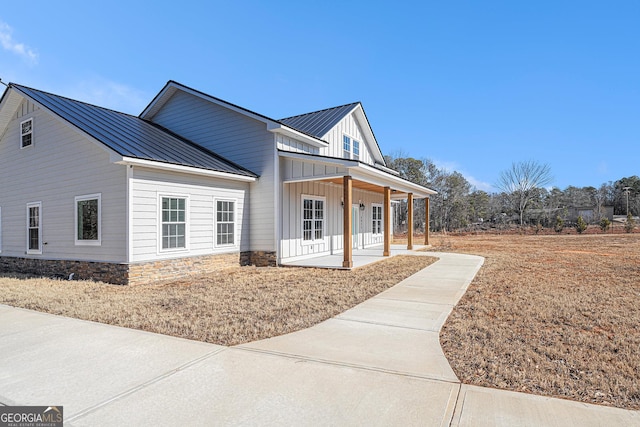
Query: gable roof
point(131, 136)
point(318, 123)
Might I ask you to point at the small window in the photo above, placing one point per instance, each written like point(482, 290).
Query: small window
point(26, 133)
point(377, 219)
point(356, 150)
point(313, 219)
point(88, 220)
point(34, 228)
point(174, 223)
point(225, 222)
point(346, 146)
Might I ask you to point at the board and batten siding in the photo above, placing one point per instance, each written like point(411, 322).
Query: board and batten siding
point(292, 245)
point(347, 126)
point(238, 138)
point(61, 164)
point(289, 144)
point(148, 186)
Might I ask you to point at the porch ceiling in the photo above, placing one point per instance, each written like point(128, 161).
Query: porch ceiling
point(363, 185)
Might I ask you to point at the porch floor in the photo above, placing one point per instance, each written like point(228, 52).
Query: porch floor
point(361, 257)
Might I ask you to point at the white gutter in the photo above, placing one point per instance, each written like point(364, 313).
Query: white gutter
point(180, 168)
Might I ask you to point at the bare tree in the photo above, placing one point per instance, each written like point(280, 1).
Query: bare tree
point(522, 182)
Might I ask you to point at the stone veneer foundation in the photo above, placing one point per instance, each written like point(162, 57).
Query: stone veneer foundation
point(137, 273)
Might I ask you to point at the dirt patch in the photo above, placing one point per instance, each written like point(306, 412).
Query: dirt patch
point(546, 316)
point(230, 307)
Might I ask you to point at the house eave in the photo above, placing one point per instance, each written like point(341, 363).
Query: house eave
point(365, 172)
point(169, 167)
point(281, 129)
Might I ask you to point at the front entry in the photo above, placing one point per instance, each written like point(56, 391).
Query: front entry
point(355, 226)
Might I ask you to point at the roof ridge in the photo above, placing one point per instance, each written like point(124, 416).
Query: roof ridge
point(322, 110)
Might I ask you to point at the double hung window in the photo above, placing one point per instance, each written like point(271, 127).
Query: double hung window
point(225, 222)
point(174, 223)
point(34, 228)
point(26, 133)
point(377, 219)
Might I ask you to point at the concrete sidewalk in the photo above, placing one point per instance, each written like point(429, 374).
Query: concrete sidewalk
point(379, 363)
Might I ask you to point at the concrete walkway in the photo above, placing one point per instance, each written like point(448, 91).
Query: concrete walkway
point(379, 363)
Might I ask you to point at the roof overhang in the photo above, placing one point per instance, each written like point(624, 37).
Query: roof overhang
point(9, 103)
point(281, 129)
point(132, 161)
point(371, 177)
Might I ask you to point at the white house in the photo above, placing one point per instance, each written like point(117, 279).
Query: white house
point(192, 183)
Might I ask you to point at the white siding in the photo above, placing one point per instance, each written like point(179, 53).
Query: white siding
point(238, 138)
point(296, 169)
point(146, 187)
point(347, 126)
point(288, 144)
point(293, 247)
point(60, 165)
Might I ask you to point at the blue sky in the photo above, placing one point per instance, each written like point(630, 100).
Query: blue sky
point(474, 86)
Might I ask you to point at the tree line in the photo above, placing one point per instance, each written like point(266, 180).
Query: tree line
point(523, 198)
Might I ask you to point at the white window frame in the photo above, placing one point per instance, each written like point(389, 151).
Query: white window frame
point(38, 205)
point(313, 239)
point(374, 207)
point(162, 250)
point(346, 146)
point(234, 222)
point(86, 242)
point(349, 149)
point(22, 135)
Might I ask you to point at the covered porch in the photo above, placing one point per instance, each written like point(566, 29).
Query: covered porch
point(345, 207)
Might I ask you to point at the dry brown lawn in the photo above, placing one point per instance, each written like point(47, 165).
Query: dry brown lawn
point(233, 306)
point(550, 315)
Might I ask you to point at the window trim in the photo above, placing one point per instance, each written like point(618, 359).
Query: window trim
point(86, 242)
point(215, 222)
point(313, 240)
point(39, 250)
point(346, 146)
point(162, 250)
point(375, 206)
point(22, 146)
point(355, 143)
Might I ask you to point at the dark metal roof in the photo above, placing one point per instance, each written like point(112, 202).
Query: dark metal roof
point(132, 136)
point(318, 123)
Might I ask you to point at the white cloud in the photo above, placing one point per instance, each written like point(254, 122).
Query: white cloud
point(109, 94)
point(20, 49)
point(452, 166)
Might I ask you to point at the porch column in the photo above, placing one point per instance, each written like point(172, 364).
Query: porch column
point(426, 217)
point(410, 221)
point(387, 222)
point(347, 184)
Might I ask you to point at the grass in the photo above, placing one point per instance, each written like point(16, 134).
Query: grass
point(550, 315)
point(233, 306)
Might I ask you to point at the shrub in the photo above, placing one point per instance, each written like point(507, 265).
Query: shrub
point(580, 225)
point(559, 225)
point(630, 224)
point(605, 224)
